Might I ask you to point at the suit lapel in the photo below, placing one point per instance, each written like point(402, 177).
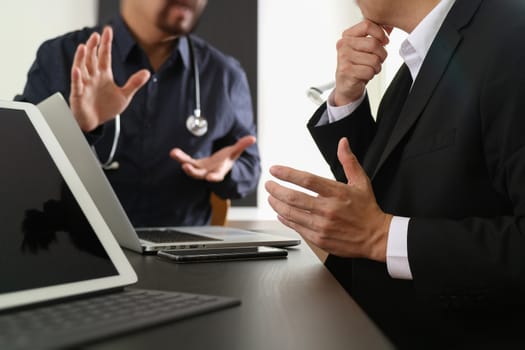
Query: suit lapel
point(388, 113)
point(433, 68)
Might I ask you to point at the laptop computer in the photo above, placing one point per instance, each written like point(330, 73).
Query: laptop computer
point(142, 240)
point(62, 272)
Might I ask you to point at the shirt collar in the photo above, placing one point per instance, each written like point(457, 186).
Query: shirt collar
point(125, 43)
point(415, 47)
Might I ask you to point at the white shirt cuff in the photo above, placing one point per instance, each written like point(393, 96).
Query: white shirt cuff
point(336, 113)
point(396, 249)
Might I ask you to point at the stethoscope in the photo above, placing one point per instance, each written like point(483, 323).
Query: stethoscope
point(315, 93)
point(195, 123)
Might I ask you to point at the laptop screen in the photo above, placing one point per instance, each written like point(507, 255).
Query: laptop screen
point(45, 238)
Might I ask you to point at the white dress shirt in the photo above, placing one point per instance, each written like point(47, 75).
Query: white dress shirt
point(413, 51)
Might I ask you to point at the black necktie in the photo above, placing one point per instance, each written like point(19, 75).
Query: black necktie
point(389, 109)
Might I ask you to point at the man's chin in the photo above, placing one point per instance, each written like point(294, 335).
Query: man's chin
point(178, 20)
point(178, 28)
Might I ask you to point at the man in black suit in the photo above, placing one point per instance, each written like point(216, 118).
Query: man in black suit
point(426, 224)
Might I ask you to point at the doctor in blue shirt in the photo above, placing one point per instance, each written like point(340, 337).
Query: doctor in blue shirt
point(134, 93)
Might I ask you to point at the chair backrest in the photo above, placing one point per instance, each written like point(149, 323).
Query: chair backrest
point(219, 209)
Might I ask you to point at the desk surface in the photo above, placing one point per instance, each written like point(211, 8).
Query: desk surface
point(292, 303)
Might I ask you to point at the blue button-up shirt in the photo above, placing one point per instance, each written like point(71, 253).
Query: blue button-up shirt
point(151, 186)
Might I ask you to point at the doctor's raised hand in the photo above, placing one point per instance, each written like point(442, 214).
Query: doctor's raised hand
point(343, 219)
point(95, 98)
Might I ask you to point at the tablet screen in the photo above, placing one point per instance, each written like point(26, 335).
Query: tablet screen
point(45, 238)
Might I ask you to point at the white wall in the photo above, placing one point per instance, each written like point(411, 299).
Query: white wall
point(25, 24)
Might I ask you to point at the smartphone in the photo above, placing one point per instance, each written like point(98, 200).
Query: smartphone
point(222, 254)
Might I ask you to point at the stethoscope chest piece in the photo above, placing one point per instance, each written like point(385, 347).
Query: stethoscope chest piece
point(197, 124)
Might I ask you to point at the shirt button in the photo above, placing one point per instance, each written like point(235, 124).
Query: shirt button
point(155, 79)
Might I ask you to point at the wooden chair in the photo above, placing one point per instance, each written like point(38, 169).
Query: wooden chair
point(219, 209)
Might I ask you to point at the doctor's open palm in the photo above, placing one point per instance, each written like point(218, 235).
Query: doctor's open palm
point(215, 167)
point(95, 98)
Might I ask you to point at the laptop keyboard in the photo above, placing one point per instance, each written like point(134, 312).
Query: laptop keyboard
point(79, 321)
point(167, 236)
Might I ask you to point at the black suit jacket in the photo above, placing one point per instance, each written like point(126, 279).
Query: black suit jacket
point(454, 164)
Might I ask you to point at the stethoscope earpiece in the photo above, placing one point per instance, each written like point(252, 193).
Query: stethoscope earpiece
point(315, 93)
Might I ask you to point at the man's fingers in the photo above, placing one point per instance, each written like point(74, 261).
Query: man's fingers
point(364, 59)
point(291, 197)
point(388, 29)
point(306, 233)
point(241, 145)
point(368, 28)
point(135, 82)
point(368, 59)
point(195, 172)
point(91, 53)
point(79, 60)
point(305, 223)
point(290, 213)
point(181, 156)
point(326, 244)
point(214, 176)
point(104, 51)
point(353, 170)
point(365, 45)
point(76, 73)
point(77, 86)
point(317, 184)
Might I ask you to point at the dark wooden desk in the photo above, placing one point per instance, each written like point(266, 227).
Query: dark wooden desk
point(292, 303)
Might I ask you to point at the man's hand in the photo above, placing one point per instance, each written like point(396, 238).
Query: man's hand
point(215, 167)
point(95, 98)
point(343, 219)
point(360, 54)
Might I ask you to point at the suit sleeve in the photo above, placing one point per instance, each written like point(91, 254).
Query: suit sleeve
point(245, 173)
point(359, 128)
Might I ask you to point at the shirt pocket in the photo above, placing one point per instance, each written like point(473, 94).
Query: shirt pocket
point(429, 144)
